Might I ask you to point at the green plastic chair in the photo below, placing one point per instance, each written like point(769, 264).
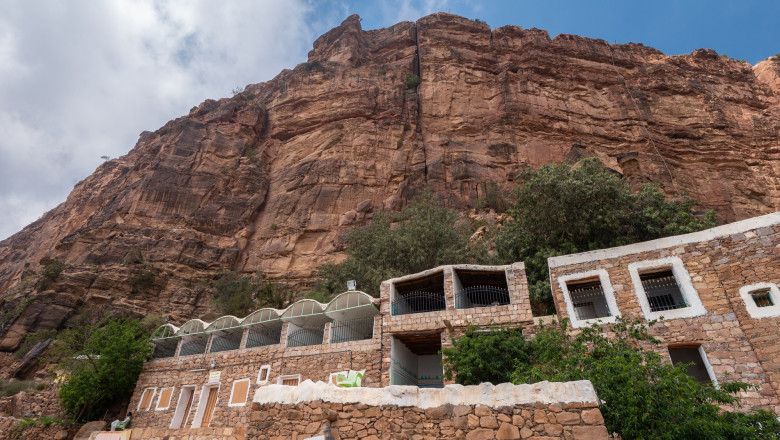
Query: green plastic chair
point(353, 379)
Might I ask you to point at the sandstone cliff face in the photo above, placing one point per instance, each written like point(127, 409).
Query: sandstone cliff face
point(270, 178)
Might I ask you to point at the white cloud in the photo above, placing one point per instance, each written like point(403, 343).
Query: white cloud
point(81, 79)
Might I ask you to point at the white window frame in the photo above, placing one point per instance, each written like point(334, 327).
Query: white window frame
point(233, 388)
point(704, 358)
point(154, 390)
point(159, 396)
point(750, 304)
point(330, 378)
point(281, 379)
point(683, 278)
point(267, 368)
point(606, 287)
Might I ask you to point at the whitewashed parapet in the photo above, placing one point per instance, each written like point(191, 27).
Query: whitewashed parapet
point(487, 394)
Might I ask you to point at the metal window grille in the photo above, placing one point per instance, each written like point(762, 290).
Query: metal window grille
point(762, 298)
point(481, 296)
point(195, 345)
point(418, 302)
point(229, 340)
point(589, 300)
point(259, 336)
point(305, 336)
point(352, 330)
point(165, 349)
point(663, 292)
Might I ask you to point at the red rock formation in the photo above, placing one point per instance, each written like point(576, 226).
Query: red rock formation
point(270, 178)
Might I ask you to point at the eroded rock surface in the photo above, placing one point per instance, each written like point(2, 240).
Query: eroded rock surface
point(271, 178)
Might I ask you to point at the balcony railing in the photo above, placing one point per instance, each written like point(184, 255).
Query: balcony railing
point(229, 340)
point(259, 336)
point(418, 302)
point(481, 296)
point(165, 349)
point(196, 345)
point(304, 337)
point(352, 330)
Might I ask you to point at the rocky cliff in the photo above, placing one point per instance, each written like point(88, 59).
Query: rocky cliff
point(270, 178)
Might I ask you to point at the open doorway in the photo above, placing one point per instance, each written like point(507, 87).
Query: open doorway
point(183, 407)
point(416, 360)
point(206, 405)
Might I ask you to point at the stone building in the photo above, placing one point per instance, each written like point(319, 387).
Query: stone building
point(715, 292)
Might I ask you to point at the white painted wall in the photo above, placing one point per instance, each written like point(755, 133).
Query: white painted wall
point(429, 365)
point(404, 356)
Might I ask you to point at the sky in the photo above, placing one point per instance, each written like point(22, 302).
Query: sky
point(82, 79)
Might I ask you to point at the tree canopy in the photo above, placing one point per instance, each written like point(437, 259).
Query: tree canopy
point(101, 361)
point(567, 208)
point(644, 396)
point(424, 234)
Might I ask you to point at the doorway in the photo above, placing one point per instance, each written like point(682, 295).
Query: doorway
point(416, 360)
point(206, 405)
point(183, 407)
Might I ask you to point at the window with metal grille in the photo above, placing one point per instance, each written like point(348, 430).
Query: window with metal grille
point(419, 295)
point(301, 337)
point(165, 348)
point(480, 288)
point(762, 298)
point(693, 356)
point(662, 290)
point(587, 297)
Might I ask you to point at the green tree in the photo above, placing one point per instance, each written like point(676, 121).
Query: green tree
point(568, 208)
point(644, 396)
point(101, 361)
point(423, 235)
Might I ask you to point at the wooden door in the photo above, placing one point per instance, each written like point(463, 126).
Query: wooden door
point(210, 404)
point(187, 407)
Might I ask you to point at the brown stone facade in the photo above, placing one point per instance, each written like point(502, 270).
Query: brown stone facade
point(471, 422)
point(315, 363)
point(713, 265)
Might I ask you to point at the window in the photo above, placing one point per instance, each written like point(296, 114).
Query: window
point(164, 399)
point(146, 399)
point(664, 289)
point(762, 300)
point(291, 380)
point(334, 376)
point(700, 368)
point(239, 393)
point(589, 297)
point(262, 375)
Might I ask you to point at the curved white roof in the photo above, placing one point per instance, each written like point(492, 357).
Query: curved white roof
point(351, 305)
point(261, 316)
point(191, 326)
point(165, 331)
point(223, 322)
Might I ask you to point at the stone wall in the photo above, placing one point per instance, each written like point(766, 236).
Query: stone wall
point(312, 362)
point(539, 411)
point(35, 405)
point(719, 262)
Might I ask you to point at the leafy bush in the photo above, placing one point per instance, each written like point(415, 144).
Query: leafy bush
point(424, 234)
point(313, 66)
point(240, 295)
point(775, 57)
point(50, 271)
point(412, 80)
point(142, 281)
point(561, 209)
point(101, 361)
point(31, 340)
point(644, 396)
point(493, 197)
point(17, 386)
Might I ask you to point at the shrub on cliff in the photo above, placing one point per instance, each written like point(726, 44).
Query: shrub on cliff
point(240, 295)
point(423, 235)
point(565, 208)
point(644, 396)
point(100, 360)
